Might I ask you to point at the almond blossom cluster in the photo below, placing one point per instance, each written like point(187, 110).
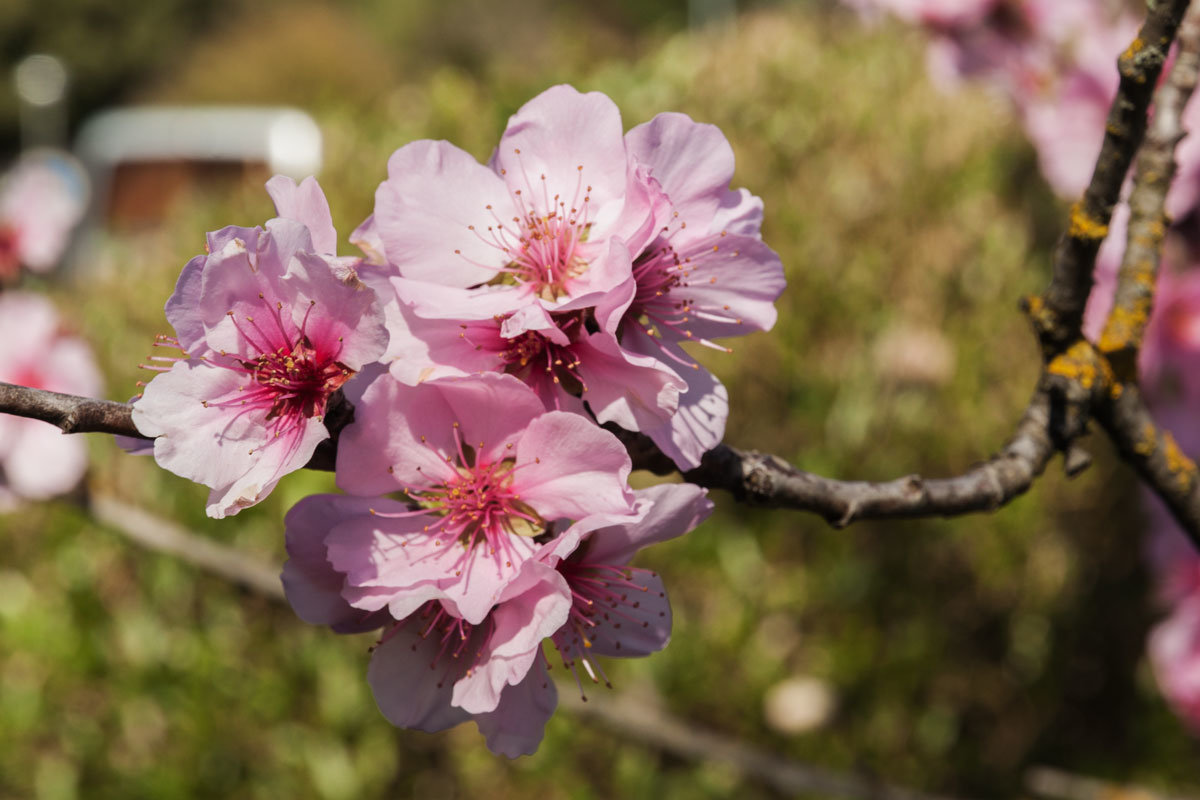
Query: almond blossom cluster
point(502, 313)
point(1056, 61)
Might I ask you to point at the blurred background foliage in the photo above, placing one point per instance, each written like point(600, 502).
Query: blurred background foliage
point(956, 653)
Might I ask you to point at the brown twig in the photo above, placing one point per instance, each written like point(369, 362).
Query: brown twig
point(69, 412)
point(1058, 313)
point(1134, 298)
point(1151, 451)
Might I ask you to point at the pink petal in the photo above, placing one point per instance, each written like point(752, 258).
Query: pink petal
point(518, 627)
point(671, 510)
point(518, 724)
point(692, 161)
point(410, 684)
point(636, 392)
point(310, 582)
point(307, 205)
point(569, 468)
point(423, 211)
point(224, 448)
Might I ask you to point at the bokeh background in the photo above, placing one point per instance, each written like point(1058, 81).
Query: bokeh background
point(948, 656)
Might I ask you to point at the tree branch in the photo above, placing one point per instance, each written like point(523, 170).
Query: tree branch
point(1126, 324)
point(1058, 313)
point(69, 412)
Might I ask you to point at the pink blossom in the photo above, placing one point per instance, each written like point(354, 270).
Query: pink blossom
point(42, 199)
point(533, 227)
point(1174, 651)
point(618, 610)
point(489, 470)
point(36, 460)
point(434, 668)
point(706, 275)
point(683, 261)
point(271, 326)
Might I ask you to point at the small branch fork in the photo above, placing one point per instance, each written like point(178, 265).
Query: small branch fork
point(1080, 381)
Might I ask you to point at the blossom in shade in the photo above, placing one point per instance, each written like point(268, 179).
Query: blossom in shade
point(434, 668)
point(489, 470)
point(618, 610)
point(36, 460)
point(42, 199)
point(271, 324)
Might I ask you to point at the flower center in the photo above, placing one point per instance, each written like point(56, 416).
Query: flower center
point(542, 241)
point(290, 378)
point(476, 510)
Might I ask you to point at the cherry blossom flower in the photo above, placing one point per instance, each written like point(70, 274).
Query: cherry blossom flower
point(42, 199)
point(489, 469)
point(682, 260)
point(272, 324)
point(36, 460)
point(706, 275)
point(433, 668)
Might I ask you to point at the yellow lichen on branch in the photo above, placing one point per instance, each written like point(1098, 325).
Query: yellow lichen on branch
point(1083, 365)
point(1084, 226)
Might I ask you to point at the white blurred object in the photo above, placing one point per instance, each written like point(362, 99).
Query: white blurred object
point(41, 82)
point(42, 198)
point(798, 705)
point(287, 140)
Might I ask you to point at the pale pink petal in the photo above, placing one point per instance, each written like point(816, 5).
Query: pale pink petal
point(366, 238)
point(381, 451)
point(182, 306)
point(200, 440)
point(422, 350)
point(692, 161)
point(671, 509)
point(635, 392)
point(377, 552)
point(436, 202)
point(310, 582)
point(558, 132)
point(698, 425)
point(568, 467)
point(307, 205)
point(740, 212)
point(435, 301)
point(41, 461)
point(529, 614)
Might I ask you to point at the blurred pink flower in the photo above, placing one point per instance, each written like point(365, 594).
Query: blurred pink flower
point(42, 199)
point(36, 460)
point(271, 325)
point(1174, 651)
